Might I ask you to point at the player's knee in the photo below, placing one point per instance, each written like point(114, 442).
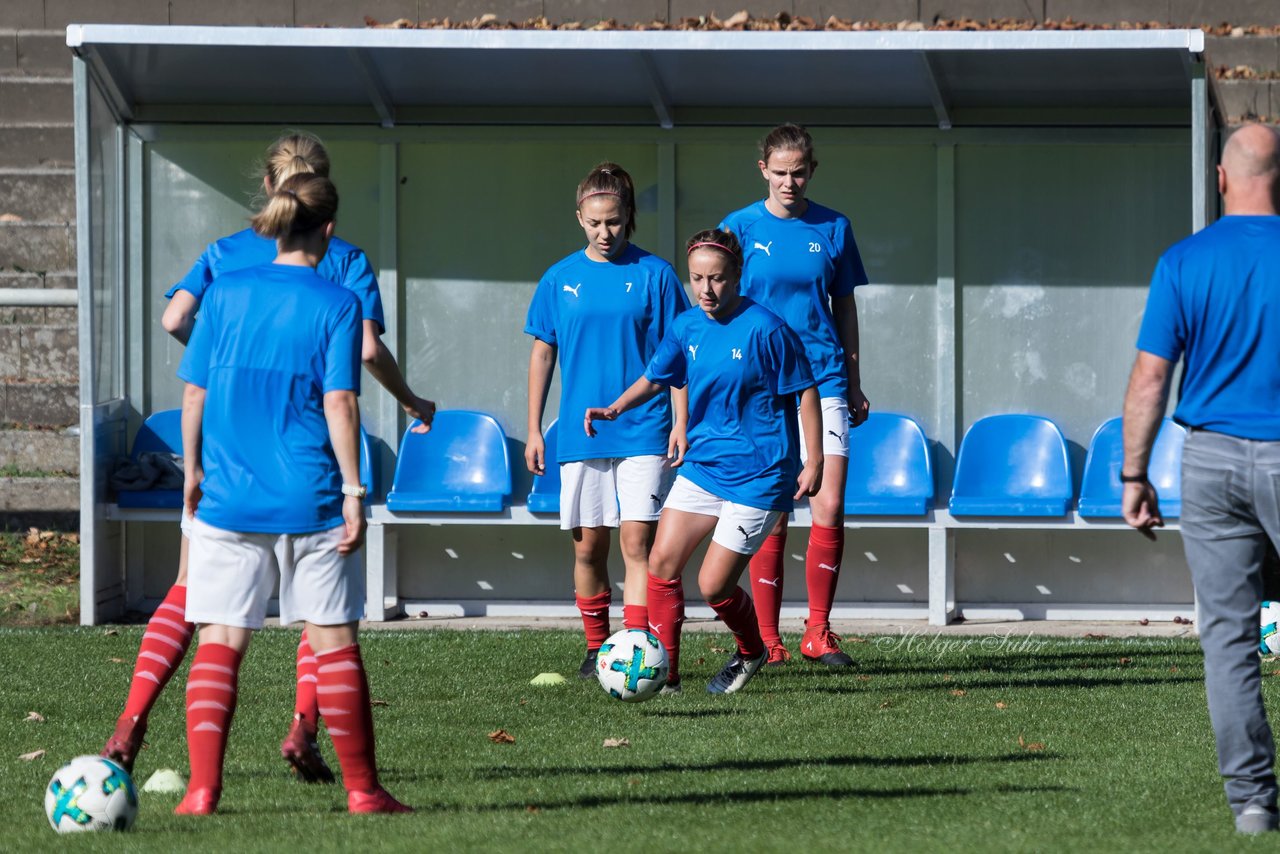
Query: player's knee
point(714, 591)
point(662, 565)
point(827, 508)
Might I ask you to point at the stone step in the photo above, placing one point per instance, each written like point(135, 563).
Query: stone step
point(38, 194)
point(39, 494)
point(44, 353)
point(39, 404)
point(35, 99)
point(50, 451)
point(37, 246)
point(37, 315)
point(37, 145)
point(1261, 53)
point(1246, 99)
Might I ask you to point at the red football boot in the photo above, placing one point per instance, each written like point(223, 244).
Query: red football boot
point(125, 742)
point(378, 800)
point(822, 645)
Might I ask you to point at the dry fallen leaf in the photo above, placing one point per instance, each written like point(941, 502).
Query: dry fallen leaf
point(32, 756)
point(34, 717)
point(1094, 635)
point(886, 704)
point(501, 736)
point(1030, 745)
point(617, 742)
point(116, 660)
point(719, 649)
point(864, 678)
point(1001, 705)
point(958, 692)
point(532, 810)
point(853, 639)
point(1173, 669)
point(379, 703)
point(111, 632)
point(1125, 661)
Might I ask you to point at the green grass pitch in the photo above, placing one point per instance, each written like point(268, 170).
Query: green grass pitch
point(953, 743)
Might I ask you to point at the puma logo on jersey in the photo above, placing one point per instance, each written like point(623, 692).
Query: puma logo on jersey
point(772, 582)
point(829, 568)
point(839, 436)
point(573, 291)
point(737, 354)
point(656, 499)
point(693, 351)
point(744, 533)
point(764, 247)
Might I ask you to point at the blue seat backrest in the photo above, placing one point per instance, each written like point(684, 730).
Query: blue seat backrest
point(1012, 465)
point(160, 433)
point(1100, 490)
point(368, 466)
point(890, 468)
point(460, 465)
point(545, 497)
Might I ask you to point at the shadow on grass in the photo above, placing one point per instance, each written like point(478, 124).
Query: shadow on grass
point(973, 684)
point(837, 761)
point(739, 797)
point(689, 713)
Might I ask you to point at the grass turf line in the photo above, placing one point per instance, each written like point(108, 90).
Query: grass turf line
point(1095, 745)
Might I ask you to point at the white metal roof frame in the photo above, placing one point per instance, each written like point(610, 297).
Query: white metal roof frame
point(400, 76)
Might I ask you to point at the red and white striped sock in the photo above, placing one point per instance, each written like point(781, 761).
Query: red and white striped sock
point(343, 690)
point(164, 645)
point(595, 617)
point(635, 617)
point(306, 707)
point(822, 571)
point(766, 584)
point(211, 701)
point(739, 615)
point(666, 615)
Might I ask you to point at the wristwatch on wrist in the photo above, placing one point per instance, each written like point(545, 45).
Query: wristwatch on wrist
point(1133, 478)
point(355, 490)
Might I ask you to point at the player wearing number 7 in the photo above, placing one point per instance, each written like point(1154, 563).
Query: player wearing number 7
point(744, 370)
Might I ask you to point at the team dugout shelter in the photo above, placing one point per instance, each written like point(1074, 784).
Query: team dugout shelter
point(1010, 193)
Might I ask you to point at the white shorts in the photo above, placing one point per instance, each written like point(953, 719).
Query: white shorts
point(185, 524)
point(230, 576)
point(606, 492)
point(741, 529)
point(835, 429)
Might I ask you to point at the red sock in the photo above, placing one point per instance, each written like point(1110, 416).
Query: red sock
point(739, 615)
point(822, 571)
point(211, 701)
point(306, 707)
point(635, 617)
point(666, 615)
point(343, 690)
point(766, 584)
point(595, 617)
point(164, 645)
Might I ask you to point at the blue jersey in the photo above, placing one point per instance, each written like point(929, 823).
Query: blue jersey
point(269, 342)
point(795, 267)
point(1215, 299)
point(743, 374)
point(343, 264)
point(606, 319)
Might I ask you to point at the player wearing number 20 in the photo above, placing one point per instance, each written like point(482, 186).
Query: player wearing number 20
point(801, 263)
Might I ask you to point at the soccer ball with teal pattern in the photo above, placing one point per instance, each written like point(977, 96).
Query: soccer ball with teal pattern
point(91, 793)
point(632, 666)
point(1270, 628)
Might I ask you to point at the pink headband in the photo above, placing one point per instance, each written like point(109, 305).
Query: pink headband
point(599, 193)
point(725, 249)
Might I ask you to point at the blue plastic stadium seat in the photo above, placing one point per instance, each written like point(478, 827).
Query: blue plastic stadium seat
point(161, 433)
point(1012, 465)
point(1101, 489)
point(890, 468)
point(545, 497)
point(460, 466)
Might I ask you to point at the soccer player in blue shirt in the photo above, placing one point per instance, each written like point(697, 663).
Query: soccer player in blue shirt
point(603, 311)
point(802, 263)
point(271, 437)
point(168, 634)
point(744, 369)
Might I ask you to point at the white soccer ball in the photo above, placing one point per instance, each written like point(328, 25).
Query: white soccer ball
point(632, 665)
point(1270, 644)
point(91, 793)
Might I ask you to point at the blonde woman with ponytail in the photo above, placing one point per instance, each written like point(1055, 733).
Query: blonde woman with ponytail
point(169, 633)
point(271, 437)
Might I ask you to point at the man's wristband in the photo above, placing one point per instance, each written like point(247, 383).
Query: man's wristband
point(355, 490)
point(1133, 478)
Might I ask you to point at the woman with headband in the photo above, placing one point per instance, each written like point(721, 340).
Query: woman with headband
point(603, 311)
point(802, 263)
point(168, 634)
point(744, 370)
